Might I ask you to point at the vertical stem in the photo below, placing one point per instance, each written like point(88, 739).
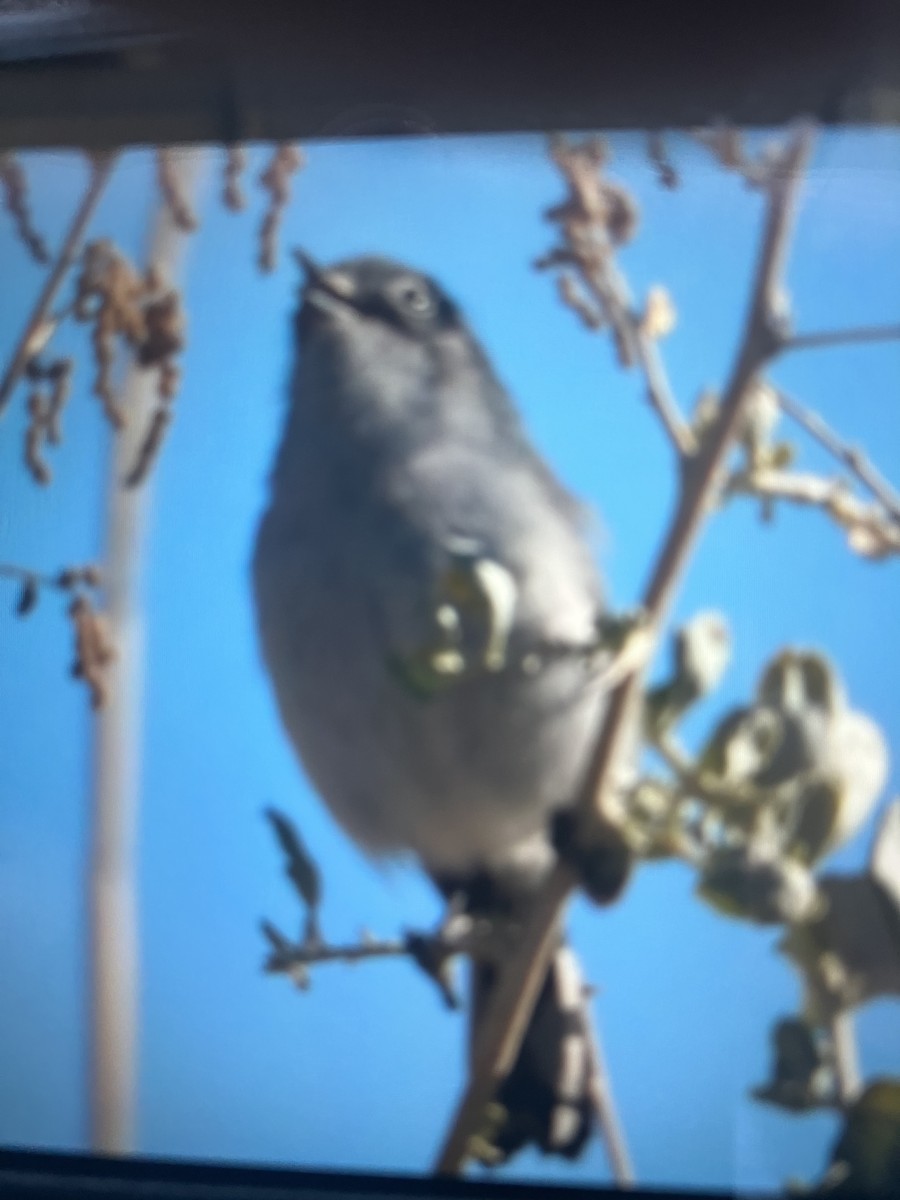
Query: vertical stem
point(608, 1116)
point(114, 959)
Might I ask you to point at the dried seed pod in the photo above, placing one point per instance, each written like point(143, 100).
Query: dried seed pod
point(276, 180)
point(15, 187)
point(94, 650)
point(177, 203)
point(29, 594)
point(232, 192)
point(150, 447)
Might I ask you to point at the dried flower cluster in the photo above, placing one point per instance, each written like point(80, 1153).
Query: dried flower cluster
point(596, 218)
point(94, 649)
point(45, 408)
point(144, 313)
point(276, 179)
point(15, 199)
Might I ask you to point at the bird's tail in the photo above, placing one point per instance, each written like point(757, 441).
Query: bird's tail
point(546, 1098)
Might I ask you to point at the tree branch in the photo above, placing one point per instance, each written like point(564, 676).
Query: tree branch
point(512, 1001)
point(607, 1115)
point(433, 952)
point(616, 298)
point(852, 458)
point(39, 326)
point(871, 531)
point(596, 217)
point(843, 337)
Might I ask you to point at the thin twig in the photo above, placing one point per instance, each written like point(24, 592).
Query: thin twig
point(594, 220)
point(852, 458)
point(286, 956)
point(432, 952)
point(63, 581)
point(607, 1114)
point(614, 297)
point(512, 1001)
point(32, 337)
point(843, 337)
point(871, 532)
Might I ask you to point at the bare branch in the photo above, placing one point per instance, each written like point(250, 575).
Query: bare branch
point(843, 337)
point(287, 956)
point(850, 456)
point(512, 1001)
point(432, 952)
point(596, 217)
point(871, 532)
point(40, 325)
point(607, 1114)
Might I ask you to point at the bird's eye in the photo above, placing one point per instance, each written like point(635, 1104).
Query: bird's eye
point(415, 299)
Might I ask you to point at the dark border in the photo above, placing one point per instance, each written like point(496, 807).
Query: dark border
point(35, 1174)
point(167, 71)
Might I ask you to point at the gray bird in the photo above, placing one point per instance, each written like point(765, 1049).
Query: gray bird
point(425, 592)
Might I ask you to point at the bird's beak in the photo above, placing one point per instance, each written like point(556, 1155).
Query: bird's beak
point(321, 286)
point(308, 265)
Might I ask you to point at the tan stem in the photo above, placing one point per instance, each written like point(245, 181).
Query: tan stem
point(114, 953)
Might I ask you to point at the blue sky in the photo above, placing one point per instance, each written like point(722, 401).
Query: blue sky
point(362, 1071)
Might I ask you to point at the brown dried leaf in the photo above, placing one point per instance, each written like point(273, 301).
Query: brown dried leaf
point(150, 447)
point(94, 650)
point(29, 594)
point(167, 175)
point(15, 186)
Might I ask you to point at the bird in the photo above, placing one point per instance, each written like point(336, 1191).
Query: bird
point(427, 598)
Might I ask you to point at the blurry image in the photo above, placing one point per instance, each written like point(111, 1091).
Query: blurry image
point(448, 659)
